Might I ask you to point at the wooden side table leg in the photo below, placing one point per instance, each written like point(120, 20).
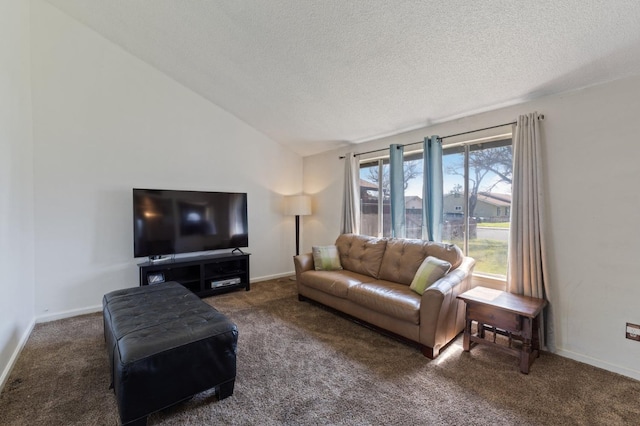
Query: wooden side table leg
point(525, 355)
point(466, 339)
point(535, 338)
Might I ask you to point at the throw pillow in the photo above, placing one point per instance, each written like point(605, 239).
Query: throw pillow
point(431, 270)
point(326, 258)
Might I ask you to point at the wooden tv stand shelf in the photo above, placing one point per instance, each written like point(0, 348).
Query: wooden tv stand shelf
point(504, 313)
point(204, 275)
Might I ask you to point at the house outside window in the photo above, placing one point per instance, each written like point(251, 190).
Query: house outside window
point(482, 172)
point(375, 202)
point(375, 197)
point(479, 174)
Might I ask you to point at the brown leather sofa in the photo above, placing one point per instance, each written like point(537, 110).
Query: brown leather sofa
point(373, 287)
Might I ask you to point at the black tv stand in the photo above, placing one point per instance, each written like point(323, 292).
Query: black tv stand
point(204, 275)
point(237, 249)
point(157, 259)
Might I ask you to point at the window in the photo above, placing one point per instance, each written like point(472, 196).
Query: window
point(477, 200)
point(482, 174)
point(375, 209)
point(413, 166)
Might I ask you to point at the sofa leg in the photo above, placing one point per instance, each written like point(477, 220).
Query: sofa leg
point(301, 298)
point(225, 390)
point(430, 353)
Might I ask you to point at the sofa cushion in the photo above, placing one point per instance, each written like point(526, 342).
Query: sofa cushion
point(326, 258)
point(361, 254)
point(449, 252)
point(403, 257)
point(336, 283)
point(392, 299)
point(431, 270)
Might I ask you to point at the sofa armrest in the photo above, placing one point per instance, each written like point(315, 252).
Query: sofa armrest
point(302, 263)
point(454, 278)
point(441, 313)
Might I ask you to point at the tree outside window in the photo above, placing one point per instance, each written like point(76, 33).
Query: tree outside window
point(484, 228)
point(477, 200)
point(376, 210)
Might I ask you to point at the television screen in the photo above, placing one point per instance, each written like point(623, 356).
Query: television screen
point(171, 222)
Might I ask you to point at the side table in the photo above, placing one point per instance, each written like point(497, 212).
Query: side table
point(504, 313)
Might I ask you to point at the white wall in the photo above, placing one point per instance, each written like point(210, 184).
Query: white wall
point(590, 154)
point(105, 122)
point(16, 184)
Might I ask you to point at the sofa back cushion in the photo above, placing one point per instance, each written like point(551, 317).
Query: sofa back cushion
point(403, 257)
point(361, 254)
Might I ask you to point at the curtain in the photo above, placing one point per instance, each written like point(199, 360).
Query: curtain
point(527, 266)
point(396, 172)
point(432, 191)
point(350, 221)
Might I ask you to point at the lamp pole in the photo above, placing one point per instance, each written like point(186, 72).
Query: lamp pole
point(297, 234)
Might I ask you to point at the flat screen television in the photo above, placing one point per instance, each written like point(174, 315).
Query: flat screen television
point(170, 222)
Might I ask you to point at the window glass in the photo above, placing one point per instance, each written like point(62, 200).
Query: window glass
point(453, 201)
point(376, 211)
point(413, 182)
point(375, 207)
point(488, 201)
point(476, 204)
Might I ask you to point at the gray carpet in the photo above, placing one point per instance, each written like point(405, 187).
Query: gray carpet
point(299, 364)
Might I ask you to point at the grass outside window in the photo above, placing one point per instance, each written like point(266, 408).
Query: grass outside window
point(501, 225)
point(490, 255)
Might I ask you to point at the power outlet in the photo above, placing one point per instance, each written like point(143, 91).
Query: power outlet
point(633, 331)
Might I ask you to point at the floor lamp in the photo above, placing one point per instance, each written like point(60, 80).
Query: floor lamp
point(297, 205)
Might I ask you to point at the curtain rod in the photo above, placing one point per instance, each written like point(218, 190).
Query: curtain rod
point(540, 117)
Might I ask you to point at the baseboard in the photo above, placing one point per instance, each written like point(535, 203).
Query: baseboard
point(98, 308)
point(69, 314)
point(272, 277)
point(14, 357)
point(634, 374)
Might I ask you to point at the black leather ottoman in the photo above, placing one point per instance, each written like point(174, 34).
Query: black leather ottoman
point(165, 345)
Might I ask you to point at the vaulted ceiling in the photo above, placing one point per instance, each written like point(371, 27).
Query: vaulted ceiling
point(317, 74)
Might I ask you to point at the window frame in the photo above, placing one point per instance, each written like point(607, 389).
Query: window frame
point(381, 162)
point(466, 147)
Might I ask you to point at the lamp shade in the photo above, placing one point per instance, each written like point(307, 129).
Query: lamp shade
point(297, 205)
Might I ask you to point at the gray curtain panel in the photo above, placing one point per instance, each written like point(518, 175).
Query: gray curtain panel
point(350, 221)
point(527, 271)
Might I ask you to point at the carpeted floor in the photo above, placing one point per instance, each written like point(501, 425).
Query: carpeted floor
point(299, 364)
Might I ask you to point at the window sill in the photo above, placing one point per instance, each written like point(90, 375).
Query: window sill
point(490, 281)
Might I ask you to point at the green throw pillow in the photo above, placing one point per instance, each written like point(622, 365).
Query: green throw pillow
point(326, 258)
point(431, 270)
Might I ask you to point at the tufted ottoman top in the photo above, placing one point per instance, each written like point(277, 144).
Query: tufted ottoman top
point(150, 319)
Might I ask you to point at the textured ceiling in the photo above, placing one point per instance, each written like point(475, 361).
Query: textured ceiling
point(315, 75)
